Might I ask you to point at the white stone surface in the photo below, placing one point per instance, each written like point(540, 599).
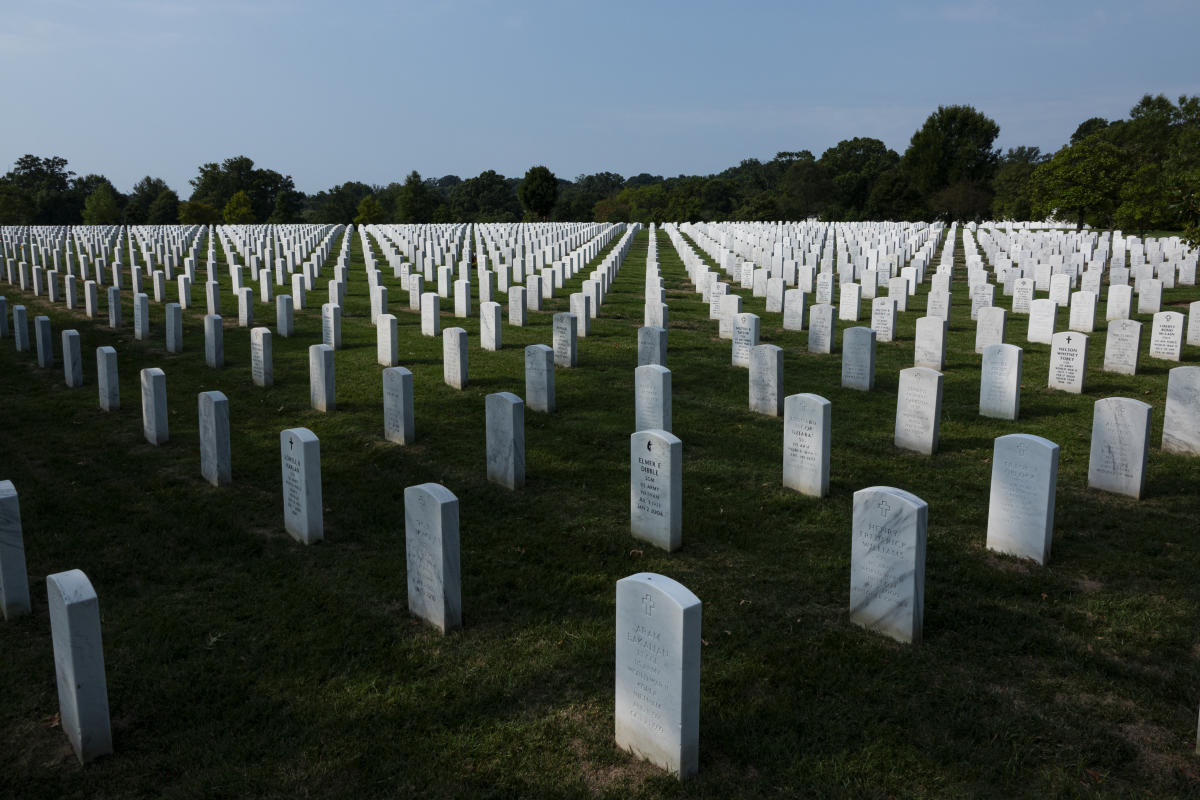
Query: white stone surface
point(262, 359)
point(887, 562)
point(489, 326)
point(1000, 382)
point(565, 338)
point(79, 664)
point(656, 488)
point(919, 410)
point(1068, 362)
point(300, 458)
point(215, 459)
point(766, 381)
point(431, 549)
point(1021, 504)
point(1123, 346)
point(107, 379)
point(990, 326)
point(72, 359)
point(454, 357)
point(1120, 298)
point(745, 338)
point(214, 341)
point(1043, 320)
point(431, 321)
point(398, 405)
point(539, 378)
point(883, 318)
point(322, 388)
point(387, 340)
point(858, 358)
point(929, 349)
point(1120, 441)
point(505, 421)
point(806, 438)
point(1166, 335)
point(652, 346)
point(657, 708)
point(1181, 420)
point(154, 405)
point(14, 579)
point(652, 397)
point(794, 309)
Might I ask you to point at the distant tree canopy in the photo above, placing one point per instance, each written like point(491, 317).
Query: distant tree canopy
point(1139, 173)
point(538, 193)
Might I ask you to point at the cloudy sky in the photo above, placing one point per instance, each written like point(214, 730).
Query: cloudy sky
point(334, 91)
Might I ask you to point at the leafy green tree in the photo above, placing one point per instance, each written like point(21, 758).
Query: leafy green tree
point(416, 201)
point(101, 207)
point(337, 204)
point(852, 167)
point(238, 210)
point(488, 197)
point(143, 195)
point(538, 192)
point(36, 191)
point(894, 197)
point(217, 183)
point(287, 208)
point(193, 212)
point(369, 212)
point(954, 149)
point(1011, 187)
point(1087, 128)
point(1082, 180)
point(165, 208)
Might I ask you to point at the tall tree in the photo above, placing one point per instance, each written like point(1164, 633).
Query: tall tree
point(538, 192)
point(143, 195)
point(954, 149)
point(416, 201)
point(101, 207)
point(217, 183)
point(369, 211)
point(165, 208)
point(37, 191)
point(238, 210)
point(1013, 196)
point(1082, 181)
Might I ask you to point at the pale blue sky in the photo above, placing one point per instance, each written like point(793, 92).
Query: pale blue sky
point(334, 91)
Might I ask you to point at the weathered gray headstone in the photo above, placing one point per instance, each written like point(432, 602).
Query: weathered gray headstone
point(1120, 441)
point(1181, 420)
point(174, 328)
point(398, 405)
point(454, 357)
point(489, 326)
point(1000, 382)
point(106, 378)
point(539, 378)
point(154, 405)
point(821, 330)
point(431, 549)
point(657, 706)
point(766, 380)
point(1043, 315)
point(284, 324)
point(652, 346)
point(919, 410)
point(215, 460)
point(858, 358)
point(806, 437)
point(652, 397)
point(79, 664)
point(505, 424)
point(322, 388)
point(45, 342)
point(14, 580)
point(656, 488)
point(214, 341)
point(72, 359)
point(262, 364)
point(21, 329)
point(566, 346)
point(300, 458)
point(1021, 505)
point(1068, 362)
point(930, 347)
point(887, 562)
point(745, 338)
point(141, 317)
point(990, 326)
point(1166, 335)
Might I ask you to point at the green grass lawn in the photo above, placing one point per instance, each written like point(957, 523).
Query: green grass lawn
point(241, 663)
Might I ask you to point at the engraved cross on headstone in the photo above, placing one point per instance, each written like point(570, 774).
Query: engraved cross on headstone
point(648, 604)
point(884, 508)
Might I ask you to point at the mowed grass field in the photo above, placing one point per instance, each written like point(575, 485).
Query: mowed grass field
point(241, 663)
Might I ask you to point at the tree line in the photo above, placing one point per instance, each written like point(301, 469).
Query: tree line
point(1139, 174)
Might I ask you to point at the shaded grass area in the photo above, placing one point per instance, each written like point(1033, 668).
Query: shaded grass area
point(242, 663)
